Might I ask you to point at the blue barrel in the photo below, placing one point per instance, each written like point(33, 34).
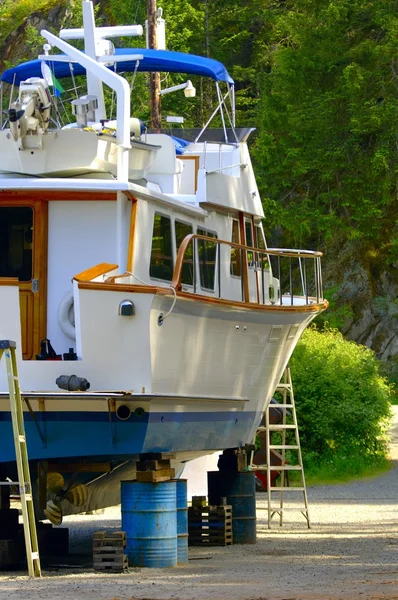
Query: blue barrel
point(182, 521)
point(239, 489)
point(149, 518)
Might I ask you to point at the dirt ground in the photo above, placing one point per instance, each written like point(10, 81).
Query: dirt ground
point(351, 552)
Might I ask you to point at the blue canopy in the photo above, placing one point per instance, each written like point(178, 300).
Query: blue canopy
point(154, 60)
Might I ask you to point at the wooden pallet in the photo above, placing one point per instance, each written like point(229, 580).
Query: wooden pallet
point(210, 525)
point(108, 551)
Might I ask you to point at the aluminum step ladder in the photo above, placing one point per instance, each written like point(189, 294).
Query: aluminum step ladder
point(276, 494)
point(8, 350)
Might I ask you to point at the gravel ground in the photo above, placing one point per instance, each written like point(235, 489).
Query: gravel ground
point(351, 552)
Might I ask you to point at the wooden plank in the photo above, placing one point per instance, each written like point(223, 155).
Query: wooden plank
point(158, 456)
point(113, 535)
point(211, 536)
point(209, 527)
point(198, 501)
point(114, 556)
point(153, 465)
point(209, 511)
point(81, 468)
point(209, 521)
point(156, 476)
point(111, 566)
point(99, 547)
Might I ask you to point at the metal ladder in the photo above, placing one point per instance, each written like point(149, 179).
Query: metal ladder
point(288, 409)
point(8, 349)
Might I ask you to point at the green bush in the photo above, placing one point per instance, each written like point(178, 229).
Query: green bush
point(342, 400)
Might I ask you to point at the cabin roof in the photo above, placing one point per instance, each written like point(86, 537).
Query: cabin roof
point(153, 60)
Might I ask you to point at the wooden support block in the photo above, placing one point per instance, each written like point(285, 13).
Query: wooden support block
point(157, 456)
point(199, 501)
point(152, 465)
point(155, 476)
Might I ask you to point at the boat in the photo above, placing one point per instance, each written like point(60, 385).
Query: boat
point(149, 314)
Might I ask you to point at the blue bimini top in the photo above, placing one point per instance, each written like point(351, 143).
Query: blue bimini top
point(154, 60)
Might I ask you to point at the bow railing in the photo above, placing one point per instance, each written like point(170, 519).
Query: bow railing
point(231, 271)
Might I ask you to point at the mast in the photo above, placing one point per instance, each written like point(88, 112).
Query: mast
point(154, 78)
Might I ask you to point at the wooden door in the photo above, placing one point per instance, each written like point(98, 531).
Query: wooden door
point(23, 254)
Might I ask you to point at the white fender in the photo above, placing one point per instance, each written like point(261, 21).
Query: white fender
point(64, 316)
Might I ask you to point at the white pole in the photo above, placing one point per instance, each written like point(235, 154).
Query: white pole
point(94, 85)
point(122, 90)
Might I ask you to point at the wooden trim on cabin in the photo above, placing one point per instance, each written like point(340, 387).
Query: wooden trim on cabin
point(197, 162)
point(96, 271)
point(133, 221)
point(40, 259)
point(143, 289)
point(26, 196)
point(32, 299)
point(245, 273)
point(121, 287)
point(255, 256)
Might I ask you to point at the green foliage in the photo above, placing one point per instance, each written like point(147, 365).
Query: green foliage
point(13, 13)
point(339, 467)
point(337, 316)
point(327, 142)
point(342, 400)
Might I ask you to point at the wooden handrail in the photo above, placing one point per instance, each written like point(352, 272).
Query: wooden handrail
point(9, 281)
point(176, 281)
point(96, 271)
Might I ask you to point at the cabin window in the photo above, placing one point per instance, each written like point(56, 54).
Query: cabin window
point(236, 254)
point(207, 251)
point(248, 233)
point(181, 231)
point(16, 237)
point(260, 238)
point(263, 258)
point(161, 266)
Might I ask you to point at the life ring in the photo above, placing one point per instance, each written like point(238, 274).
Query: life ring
point(66, 316)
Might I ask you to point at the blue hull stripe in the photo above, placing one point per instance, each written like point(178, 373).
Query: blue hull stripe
point(91, 434)
point(103, 417)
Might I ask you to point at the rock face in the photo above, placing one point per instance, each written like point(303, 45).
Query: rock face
point(15, 48)
point(370, 289)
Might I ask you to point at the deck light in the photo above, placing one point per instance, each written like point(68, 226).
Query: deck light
point(189, 89)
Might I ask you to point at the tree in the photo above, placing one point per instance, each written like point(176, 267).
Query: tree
point(328, 138)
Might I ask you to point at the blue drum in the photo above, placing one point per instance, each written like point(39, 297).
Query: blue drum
point(149, 518)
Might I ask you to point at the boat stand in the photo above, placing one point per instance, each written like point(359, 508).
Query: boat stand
point(8, 349)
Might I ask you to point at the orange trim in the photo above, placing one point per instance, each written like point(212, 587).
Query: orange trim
point(33, 305)
point(40, 258)
point(244, 258)
point(94, 272)
point(196, 159)
point(9, 281)
point(120, 287)
point(142, 289)
point(25, 196)
point(133, 220)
